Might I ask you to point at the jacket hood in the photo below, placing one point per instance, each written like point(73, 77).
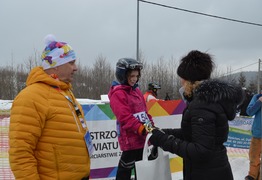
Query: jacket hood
point(216, 90)
point(39, 75)
point(228, 95)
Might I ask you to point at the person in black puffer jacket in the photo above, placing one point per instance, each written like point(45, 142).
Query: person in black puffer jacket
point(204, 126)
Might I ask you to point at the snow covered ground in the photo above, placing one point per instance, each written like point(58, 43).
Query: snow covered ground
point(239, 165)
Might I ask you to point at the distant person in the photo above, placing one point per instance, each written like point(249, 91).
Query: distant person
point(243, 107)
point(204, 126)
point(151, 93)
point(167, 97)
point(254, 109)
point(48, 135)
point(129, 107)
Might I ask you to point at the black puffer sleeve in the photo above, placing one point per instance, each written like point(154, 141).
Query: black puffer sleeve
point(175, 132)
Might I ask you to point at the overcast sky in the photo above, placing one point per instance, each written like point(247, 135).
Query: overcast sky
point(108, 28)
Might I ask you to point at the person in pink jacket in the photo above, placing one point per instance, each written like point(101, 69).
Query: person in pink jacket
point(128, 105)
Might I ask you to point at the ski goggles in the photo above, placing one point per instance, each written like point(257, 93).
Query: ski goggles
point(135, 66)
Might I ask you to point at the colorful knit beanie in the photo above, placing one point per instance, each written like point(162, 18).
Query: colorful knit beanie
point(56, 53)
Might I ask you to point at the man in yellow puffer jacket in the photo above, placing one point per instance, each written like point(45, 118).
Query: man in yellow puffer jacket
point(48, 136)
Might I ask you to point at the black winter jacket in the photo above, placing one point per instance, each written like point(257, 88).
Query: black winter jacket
point(204, 129)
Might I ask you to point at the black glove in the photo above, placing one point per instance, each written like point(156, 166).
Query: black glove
point(166, 142)
point(153, 154)
point(158, 137)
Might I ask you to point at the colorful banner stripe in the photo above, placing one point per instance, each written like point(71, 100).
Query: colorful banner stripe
point(158, 108)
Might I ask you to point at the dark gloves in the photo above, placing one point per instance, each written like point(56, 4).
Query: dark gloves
point(158, 137)
point(166, 142)
point(153, 154)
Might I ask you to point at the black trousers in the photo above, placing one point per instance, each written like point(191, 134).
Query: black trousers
point(127, 163)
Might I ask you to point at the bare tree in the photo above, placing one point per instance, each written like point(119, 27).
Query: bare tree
point(21, 76)
point(173, 81)
point(252, 87)
point(91, 82)
point(82, 82)
point(7, 82)
point(242, 80)
point(32, 61)
point(164, 74)
point(102, 76)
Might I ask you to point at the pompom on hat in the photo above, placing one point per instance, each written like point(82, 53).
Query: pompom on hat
point(195, 66)
point(56, 53)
